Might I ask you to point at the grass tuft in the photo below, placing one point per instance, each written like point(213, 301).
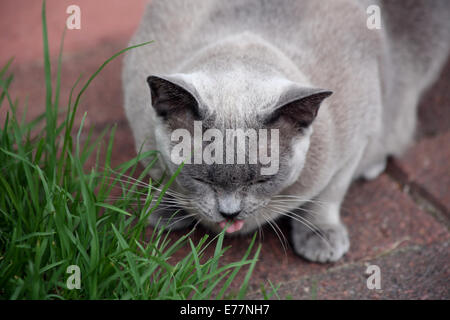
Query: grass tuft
point(53, 214)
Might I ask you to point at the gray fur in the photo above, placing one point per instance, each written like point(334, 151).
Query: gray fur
point(240, 59)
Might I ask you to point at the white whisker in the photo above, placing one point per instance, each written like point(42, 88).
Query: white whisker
point(276, 232)
point(142, 183)
point(310, 225)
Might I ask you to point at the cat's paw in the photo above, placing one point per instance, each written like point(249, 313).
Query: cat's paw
point(375, 170)
point(327, 245)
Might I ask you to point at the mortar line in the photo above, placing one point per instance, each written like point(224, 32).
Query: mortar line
point(419, 195)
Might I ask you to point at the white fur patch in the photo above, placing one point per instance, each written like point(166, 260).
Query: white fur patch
point(300, 149)
point(229, 203)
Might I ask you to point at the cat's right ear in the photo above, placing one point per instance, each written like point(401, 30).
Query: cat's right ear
point(169, 97)
point(300, 107)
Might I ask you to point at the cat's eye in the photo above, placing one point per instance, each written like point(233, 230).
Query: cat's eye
point(259, 181)
point(201, 180)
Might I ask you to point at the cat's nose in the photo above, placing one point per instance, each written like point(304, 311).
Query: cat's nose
point(229, 215)
point(229, 205)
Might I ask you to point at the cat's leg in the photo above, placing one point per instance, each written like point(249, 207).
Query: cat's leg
point(375, 170)
point(324, 238)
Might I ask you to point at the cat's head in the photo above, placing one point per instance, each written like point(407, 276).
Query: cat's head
point(199, 118)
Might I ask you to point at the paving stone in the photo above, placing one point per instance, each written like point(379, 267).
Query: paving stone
point(101, 21)
point(123, 146)
point(426, 168)
point(103, 100)
point(417, 272)
point(102, 34)
point(434, 111)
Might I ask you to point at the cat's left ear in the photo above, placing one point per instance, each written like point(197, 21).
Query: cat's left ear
point(299, 106)
point(169, 96)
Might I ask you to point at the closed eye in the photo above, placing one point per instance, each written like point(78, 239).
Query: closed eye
point(259, 181)
point(202, 180)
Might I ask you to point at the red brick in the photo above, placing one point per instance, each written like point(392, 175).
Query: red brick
point(426, 167)
point(418, 272)
point(434, 111)
point(101, 20)
point(103, 100)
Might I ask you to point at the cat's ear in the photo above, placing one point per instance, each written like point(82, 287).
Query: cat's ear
point(170, 97)
point(300, 106)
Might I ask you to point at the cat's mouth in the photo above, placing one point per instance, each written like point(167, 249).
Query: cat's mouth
point(231, 225)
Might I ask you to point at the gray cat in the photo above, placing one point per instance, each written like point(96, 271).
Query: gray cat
point(342, 96)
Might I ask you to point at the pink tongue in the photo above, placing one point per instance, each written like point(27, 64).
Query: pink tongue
point(235, 226)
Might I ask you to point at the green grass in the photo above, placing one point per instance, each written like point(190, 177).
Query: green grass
point(53, 214)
